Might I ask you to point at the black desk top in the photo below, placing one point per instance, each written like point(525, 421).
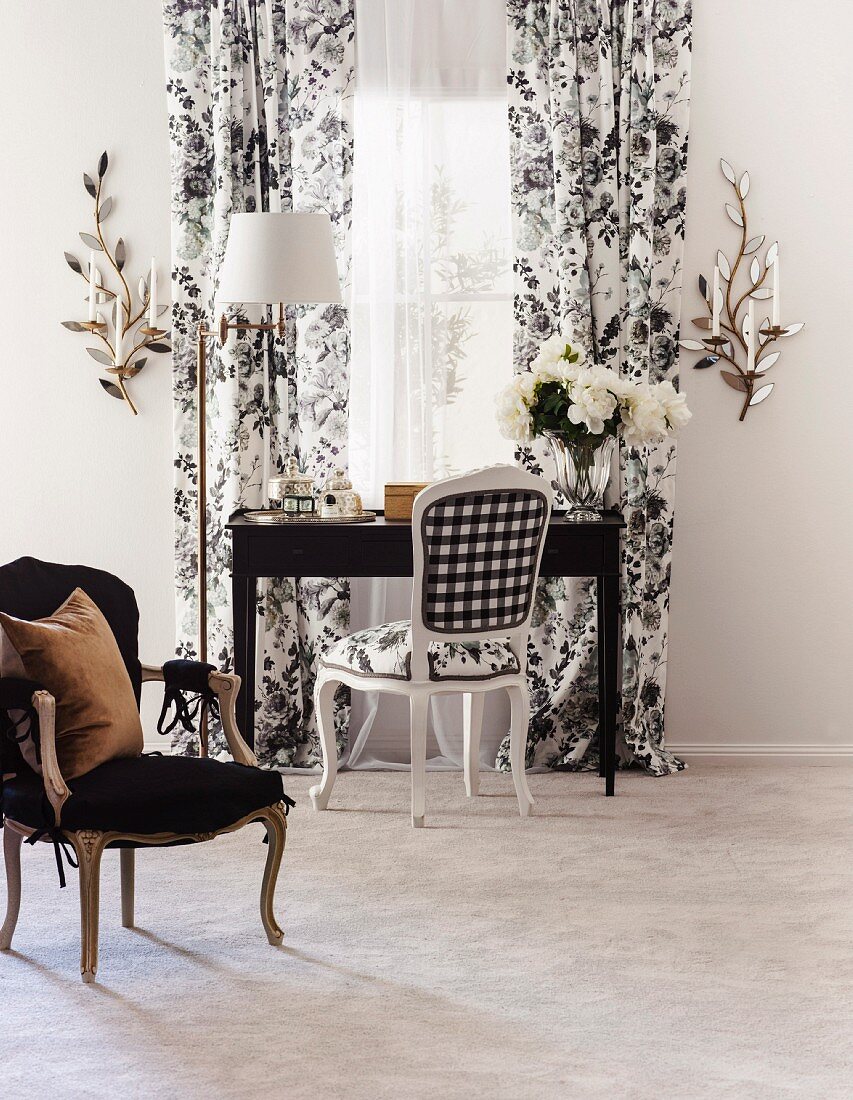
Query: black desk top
point(389, 527)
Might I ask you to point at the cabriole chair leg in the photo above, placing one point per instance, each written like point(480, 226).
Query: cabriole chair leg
point(472, 727)
point(325, 708)
point(519, 717)
point(418, 711)
point(276, 826)
point(12, 842)
point(128, 864)
point(89, 845)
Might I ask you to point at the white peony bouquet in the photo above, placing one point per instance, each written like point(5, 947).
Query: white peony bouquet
point(561, 394)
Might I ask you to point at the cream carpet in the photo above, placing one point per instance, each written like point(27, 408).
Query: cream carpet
point(690, 938)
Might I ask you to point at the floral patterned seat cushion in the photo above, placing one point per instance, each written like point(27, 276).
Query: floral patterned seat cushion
point(386, 651)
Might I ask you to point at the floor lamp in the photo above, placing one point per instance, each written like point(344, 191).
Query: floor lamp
point(282, 258)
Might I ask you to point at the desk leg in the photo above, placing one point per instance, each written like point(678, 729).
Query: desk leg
point(608, 604)
point(243, 601)
point(602, 709)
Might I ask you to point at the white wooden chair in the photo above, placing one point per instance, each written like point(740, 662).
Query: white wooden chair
point(477, 545)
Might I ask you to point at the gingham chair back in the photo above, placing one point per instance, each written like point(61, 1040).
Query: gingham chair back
point(478, 543)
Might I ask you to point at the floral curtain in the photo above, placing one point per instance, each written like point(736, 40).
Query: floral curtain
point(599, 99)
point(259, 96)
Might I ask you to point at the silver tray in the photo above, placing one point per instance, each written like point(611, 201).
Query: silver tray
point(276, 515)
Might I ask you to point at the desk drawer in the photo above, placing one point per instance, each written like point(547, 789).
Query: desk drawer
point(576, 556)
point(305, 556)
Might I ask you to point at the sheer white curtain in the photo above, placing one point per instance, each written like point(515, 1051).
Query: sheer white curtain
point(432, 293)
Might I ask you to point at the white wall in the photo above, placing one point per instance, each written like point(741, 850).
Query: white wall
point(82, 479)
point(762, 592)
point(762, 580)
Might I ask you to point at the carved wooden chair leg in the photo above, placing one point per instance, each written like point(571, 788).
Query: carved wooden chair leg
point(324, 705)
point(519, 718)
point(12, 842)
point(472, 726)
point(276, 825)
point(128, 863)
point(89, 845)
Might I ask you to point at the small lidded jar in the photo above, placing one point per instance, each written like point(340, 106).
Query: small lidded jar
point(291, 490)
point(346, 500)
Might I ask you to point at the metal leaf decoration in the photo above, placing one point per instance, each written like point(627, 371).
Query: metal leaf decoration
point(736, 381)
point(138, 336)
point(734, 317)
point(734, 214)
point(112, 389)
point(761, 394)
point(743, 186)
point(100, 356)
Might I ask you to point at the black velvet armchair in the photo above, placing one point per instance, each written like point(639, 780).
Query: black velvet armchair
point(150, 800)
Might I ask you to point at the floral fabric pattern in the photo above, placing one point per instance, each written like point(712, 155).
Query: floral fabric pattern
point(387, 651)
point(598, 108)
point(259, 98)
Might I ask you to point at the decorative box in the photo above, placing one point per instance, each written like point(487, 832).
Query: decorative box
point(399, 498)
point(291, 491)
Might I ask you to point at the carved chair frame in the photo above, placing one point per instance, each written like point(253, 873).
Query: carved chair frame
point(89, 844)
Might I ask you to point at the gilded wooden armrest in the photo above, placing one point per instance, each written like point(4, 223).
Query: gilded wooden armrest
point(55, 787)
point(225, 686)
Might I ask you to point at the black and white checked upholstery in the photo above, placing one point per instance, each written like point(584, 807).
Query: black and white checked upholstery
point(480, 553)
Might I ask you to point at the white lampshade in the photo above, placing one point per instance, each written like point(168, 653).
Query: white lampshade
point(283, 257)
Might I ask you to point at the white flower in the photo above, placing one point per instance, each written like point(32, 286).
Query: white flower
point(549, 351)
point(513, 414)
point(593, 401)
point(674, 405)
point(643, 416)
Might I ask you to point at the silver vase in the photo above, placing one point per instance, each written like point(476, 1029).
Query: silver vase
point(583, 472)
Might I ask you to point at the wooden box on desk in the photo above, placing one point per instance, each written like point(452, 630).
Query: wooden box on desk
point(399, 498)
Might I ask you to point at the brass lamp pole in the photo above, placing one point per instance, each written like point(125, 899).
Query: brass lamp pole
point(204, 334)
point(270, 258)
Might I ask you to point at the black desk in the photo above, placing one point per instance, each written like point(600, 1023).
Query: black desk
point(384, 549)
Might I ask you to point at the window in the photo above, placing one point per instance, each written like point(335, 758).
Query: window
point(432, 281)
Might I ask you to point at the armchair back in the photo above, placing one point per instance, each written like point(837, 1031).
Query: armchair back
point(32, 589)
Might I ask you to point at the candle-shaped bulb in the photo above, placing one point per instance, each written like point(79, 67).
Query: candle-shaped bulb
point(152, 297)
point(750, 337)
point(715, 304)
point(93, 284)
point(777, 308)
point(118, 350)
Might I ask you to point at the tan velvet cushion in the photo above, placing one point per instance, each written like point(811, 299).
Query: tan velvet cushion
point(74, 654)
